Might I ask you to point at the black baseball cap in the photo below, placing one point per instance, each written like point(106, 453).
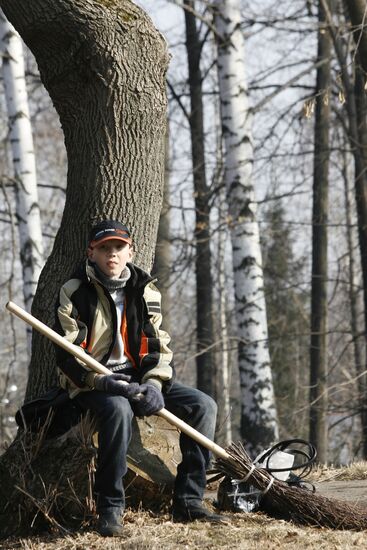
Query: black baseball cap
point(107, 230)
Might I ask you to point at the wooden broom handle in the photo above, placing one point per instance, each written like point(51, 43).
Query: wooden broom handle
point(101, 369)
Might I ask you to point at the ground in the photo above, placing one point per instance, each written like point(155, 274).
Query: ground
point(350, 490)
point(242, 531)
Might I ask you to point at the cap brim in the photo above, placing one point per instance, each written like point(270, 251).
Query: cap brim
point(111, 238)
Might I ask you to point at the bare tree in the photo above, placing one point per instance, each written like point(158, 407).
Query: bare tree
point(355, 107)
point(356, 309)
point(358, 17)
point(204, 284)
point(319, 284)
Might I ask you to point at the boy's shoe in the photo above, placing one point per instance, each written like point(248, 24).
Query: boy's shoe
point(109, 523)
point(182, 512)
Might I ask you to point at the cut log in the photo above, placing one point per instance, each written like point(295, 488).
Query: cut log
point(152, 460)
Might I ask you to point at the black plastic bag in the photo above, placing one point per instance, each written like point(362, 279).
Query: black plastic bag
point(237, 496)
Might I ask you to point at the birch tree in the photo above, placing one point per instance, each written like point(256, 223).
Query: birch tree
point(258, 411)
point(22, 150)
point(223, 374)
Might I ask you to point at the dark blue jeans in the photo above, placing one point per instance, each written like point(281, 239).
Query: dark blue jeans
point(114, 415)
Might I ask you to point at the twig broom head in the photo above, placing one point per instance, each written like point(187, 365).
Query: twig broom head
point(298, 504)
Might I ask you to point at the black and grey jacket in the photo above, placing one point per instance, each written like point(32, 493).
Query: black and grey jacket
point(86, 316)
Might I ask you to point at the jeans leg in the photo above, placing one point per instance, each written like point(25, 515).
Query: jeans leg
point(199, 411)
point(113, 415)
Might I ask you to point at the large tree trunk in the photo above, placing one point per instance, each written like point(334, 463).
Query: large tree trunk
point(22, 150)
point(204, 283)
point(104, 67)
point(258, 412)
point(103, 64)
point(319, 284)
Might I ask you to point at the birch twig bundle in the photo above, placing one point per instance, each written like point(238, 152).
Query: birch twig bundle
point(295, 503)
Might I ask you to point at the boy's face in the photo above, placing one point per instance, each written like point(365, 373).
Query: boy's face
point(111, 257)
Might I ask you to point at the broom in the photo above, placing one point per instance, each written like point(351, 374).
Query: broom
point(295, 503)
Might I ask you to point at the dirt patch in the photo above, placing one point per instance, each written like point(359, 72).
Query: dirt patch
point(350, 490)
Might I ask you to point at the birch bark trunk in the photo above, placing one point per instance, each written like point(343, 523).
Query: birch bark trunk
point(21, 141)
point(259, 425)
point(103, 64)
point(223, 377)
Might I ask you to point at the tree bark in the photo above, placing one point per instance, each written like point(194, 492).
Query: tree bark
point(163, 257)
point(355, 105)
point(319, 283)
point(361, 111)
point(258, 411)
point(356, 311)
point(21, 142)
point(204, 283)
point(358, 17)
point(224, 371)
point(103, 64)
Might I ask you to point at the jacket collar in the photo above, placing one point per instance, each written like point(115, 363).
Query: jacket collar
point(139, 277)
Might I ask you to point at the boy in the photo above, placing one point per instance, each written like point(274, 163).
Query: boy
point(111, 308)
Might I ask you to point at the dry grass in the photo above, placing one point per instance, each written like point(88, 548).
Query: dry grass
point(243, 531)
point(145, 531)
point(357, 470)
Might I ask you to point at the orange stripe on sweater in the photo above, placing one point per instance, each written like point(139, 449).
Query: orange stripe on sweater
point(125, 339)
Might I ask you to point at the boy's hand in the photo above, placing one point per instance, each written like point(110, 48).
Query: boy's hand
point(149, 402)
point(114, 384)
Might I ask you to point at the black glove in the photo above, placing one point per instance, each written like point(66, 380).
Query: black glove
point(111, 383)
point(149, 402)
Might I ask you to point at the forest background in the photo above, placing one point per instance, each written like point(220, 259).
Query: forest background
point(281, 59)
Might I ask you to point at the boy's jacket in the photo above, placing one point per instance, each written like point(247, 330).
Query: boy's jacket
point(86, 316)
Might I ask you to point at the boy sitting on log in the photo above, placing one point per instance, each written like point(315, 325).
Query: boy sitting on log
point(111, 308)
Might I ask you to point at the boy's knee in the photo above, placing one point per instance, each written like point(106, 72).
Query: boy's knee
point(210, 405)
point(206, 418)
point(117, 407)
point(207, 406)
